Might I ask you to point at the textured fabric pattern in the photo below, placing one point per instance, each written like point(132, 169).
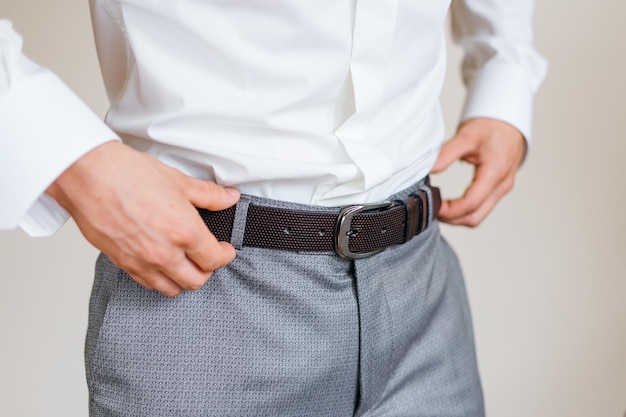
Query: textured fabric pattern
point(281, 344)
point(368, 230)
point(280, 333)
point(416, 339)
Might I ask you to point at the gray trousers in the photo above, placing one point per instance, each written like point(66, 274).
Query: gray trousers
point(279, 333)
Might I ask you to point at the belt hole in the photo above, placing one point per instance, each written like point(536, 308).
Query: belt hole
point(322, 232)
point(287, 230)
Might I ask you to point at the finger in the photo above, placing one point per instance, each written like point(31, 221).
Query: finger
point(186, 274)
point(484, 183)
point(196, 253)
point(208, 195)
point(143, 282)
point(131, 266)
point(476, 217)
point(209, 254)
point(453, 150)
point(171, 262)
point(200, 245)
point(156, 280)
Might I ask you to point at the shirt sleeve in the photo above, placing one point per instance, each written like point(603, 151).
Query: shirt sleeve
point(501, 68)
point(44, 128)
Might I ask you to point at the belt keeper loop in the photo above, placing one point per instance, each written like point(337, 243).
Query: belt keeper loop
point(432, 200)
point(239, 222)
point(435, 203)
point(413, 216)
point(422, 216)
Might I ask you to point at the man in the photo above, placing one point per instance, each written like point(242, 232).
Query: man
point(287, 124)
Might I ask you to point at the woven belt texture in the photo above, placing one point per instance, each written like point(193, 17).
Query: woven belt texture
point(358, 229)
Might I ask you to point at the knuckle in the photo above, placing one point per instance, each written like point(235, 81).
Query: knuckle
point(128, 263)
point(491, 172)
point(155, 256)
point(182, 236)
point(212, 264)
point(204, 193)
point(214, 261)
point(160, 256)
point(472, 224)
point(500, 170)
point(193, 185)
point(471, 205)
point(473, 221)
point(201, 187)
point(177, 175)
point(227, 255)
point(141, 281)
point(230, 255)
point(196, 284)
point(508, 184)
point(466, 132)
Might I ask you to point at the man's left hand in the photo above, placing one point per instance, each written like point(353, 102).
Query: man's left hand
point(496, 149)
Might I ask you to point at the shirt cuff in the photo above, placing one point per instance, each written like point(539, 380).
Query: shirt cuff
point(44, 217)
point(501, 91)
point(44, 128)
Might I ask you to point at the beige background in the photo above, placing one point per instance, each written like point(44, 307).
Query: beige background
point(545, 273)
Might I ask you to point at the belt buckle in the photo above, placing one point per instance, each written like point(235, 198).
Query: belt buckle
point(343, 229)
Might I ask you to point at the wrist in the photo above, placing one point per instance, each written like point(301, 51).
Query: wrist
point(81, 172)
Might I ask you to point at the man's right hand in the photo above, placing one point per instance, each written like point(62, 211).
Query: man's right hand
point(142, 214)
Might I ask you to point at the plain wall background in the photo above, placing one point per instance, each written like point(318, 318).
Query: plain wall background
point(545, 272)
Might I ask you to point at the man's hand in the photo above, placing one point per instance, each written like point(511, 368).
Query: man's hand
point(496, 149)
point(142, 214)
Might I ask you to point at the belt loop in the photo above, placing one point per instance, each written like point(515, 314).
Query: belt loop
point(427, 190)
point(435, 203)
point(239, 222)
point(433, 198)
point(424, 209)
point(414, 209)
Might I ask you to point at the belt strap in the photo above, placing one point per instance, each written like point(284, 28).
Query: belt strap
point(353, 231)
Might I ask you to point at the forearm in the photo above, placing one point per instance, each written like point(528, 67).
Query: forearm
point(44, 128)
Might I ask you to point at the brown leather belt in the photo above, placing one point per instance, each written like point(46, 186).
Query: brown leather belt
point(352, 232)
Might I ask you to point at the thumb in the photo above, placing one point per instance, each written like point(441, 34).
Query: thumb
point(210, 196)
point(451, 151)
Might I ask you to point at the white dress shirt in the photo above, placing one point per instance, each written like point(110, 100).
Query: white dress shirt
point(327, 102)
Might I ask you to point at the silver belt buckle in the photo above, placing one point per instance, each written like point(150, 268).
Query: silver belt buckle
point(343, 229)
